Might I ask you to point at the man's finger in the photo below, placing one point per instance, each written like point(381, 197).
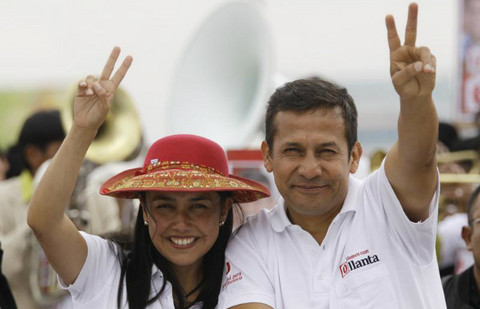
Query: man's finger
point(122, 70)
point(108, 69)
point(393, 39)
point(402, 77)
point(82, 84)
point(99, 90)
point(411, 28)
point(429, 61)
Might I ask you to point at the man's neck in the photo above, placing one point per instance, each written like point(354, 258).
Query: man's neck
point(316, 225)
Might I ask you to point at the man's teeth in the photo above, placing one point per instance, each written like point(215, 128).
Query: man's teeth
point(182, 241)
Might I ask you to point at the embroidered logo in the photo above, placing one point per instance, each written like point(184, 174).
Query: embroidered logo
point(229, 267)
point(232, 279)
point(356, 261)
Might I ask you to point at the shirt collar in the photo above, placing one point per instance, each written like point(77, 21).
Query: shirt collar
point(279, 216)
point(156, 272)
point(279, 219)
point(157, 280)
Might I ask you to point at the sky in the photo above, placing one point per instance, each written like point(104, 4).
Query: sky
point(54, 43)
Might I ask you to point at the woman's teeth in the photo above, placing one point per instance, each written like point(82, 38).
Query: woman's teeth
point(182, 241)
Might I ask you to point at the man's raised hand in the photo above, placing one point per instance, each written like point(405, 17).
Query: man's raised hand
point(412, 68)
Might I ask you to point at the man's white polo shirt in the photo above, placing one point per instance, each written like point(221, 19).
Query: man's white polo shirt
point(372, 256)
point(97, 283)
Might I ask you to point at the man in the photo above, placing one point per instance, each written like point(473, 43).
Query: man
point(462, 291)
point(333, 241)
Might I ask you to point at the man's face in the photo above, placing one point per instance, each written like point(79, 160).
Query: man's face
point(310, 161)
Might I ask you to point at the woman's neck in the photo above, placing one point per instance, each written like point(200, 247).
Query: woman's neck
point(190, 278)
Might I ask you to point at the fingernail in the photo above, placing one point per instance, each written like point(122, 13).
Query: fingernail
point(89, 91)
point(417, 66)
point(429, 68)
point(83, 84)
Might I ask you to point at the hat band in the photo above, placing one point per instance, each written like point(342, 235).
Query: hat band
point(165, 165)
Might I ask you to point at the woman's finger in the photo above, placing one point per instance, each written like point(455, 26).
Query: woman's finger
point(89, 81)
point(108, 69)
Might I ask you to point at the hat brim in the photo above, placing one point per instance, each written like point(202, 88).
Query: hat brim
point(128, 184)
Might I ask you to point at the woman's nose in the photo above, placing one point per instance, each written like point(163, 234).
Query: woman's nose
point(181, 220)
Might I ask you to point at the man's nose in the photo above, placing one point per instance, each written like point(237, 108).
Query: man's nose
point(309, 167)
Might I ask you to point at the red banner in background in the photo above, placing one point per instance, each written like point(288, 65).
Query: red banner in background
point(469, 60)
point(248, 163)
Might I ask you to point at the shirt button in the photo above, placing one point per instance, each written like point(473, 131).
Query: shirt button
point(319, 277)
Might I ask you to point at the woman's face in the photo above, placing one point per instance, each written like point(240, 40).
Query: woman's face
point(184, 226)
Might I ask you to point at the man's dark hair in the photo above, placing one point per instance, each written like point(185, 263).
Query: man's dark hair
point(40, 129)
point(308, 95)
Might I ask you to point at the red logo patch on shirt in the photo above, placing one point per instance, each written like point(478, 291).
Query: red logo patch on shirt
point(229, 267)
point(356, 261)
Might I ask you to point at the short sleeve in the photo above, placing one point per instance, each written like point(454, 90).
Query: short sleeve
point(246, 277)
point(100, 264)
point(416, 238)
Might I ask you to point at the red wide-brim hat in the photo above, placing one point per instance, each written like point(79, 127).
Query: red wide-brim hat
point(187, 163)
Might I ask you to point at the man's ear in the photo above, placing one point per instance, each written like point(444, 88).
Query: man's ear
point(355, 157)
point(267, 159)
point(467, 236)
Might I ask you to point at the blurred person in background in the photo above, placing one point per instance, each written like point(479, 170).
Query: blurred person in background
point(6, 298)
point(4, 166)
point(453, 256)
point(32, 280)
point(39, 139)
point(462, 290)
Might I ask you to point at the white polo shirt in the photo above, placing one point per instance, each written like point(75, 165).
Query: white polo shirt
point(372, 256)
point(97, 283)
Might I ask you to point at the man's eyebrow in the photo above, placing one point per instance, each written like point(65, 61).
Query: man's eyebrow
point(328, 144)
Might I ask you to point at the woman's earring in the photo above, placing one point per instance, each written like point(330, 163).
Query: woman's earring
point(222, 223)
point(145, 222)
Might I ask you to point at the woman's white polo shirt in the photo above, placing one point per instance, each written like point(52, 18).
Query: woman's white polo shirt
point(97, 283)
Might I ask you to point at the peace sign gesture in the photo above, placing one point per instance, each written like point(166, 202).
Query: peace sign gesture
point(94, 97)
point(412, 68)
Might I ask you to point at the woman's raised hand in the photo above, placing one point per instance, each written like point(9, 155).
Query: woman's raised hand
point(94, 96)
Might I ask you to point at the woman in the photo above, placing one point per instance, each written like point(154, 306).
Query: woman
point(183, 224)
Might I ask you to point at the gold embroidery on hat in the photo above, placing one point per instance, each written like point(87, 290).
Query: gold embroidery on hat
point(180, 165)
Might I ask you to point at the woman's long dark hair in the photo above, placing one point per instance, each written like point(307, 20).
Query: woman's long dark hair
point(136, 267)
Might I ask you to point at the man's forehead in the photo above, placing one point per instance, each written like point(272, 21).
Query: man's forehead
point(335, 111)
